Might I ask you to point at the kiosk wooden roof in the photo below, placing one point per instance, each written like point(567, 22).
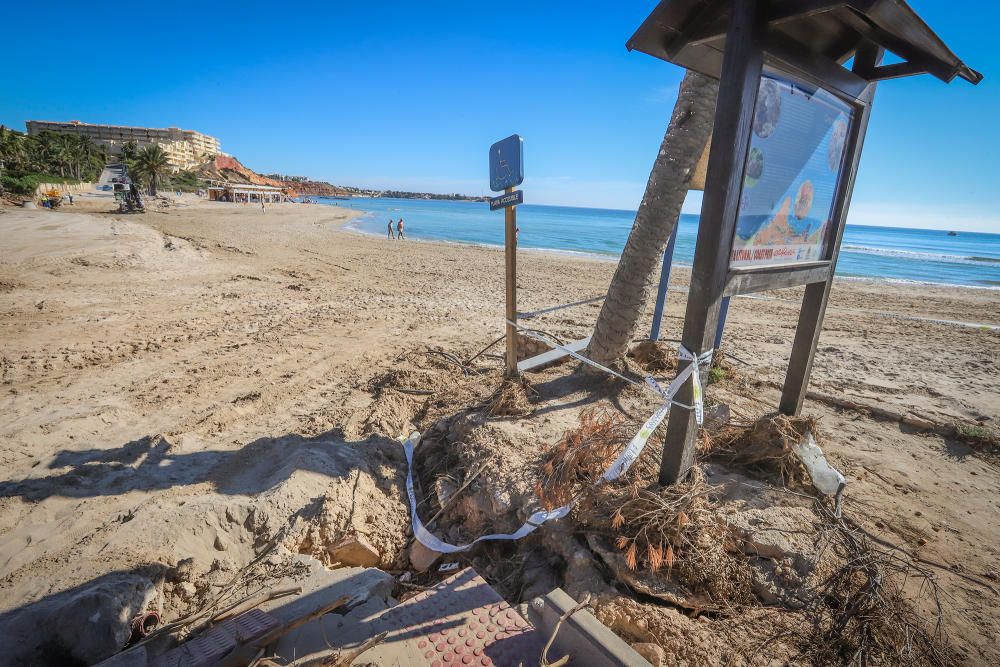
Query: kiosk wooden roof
point(692, 34)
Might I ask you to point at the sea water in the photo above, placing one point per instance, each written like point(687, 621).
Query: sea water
point(917, 255)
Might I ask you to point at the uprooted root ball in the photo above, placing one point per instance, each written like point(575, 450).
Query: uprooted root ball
point(674, 531)
point(765, 444)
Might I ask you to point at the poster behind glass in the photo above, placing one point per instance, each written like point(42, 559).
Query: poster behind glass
point(791, 174)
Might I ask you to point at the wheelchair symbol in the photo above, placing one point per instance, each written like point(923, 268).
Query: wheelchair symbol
point(503, 172)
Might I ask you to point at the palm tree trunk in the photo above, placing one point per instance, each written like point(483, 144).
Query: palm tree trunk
point(688, 132)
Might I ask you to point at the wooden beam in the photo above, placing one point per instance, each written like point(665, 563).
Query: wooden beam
point(510, 261)
point(820, 70)
point(790, 11)
point(710, 21)
point(749, 280)
point(810, 324)
point(901, 48)
point(738, 87)
point(895, 71)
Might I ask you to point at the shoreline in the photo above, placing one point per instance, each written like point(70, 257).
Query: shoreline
point(351, 226)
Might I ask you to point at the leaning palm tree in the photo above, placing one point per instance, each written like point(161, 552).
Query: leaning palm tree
point(685, 140)
point(149, 166)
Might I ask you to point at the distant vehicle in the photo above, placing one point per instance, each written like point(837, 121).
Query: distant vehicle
point(104, 188)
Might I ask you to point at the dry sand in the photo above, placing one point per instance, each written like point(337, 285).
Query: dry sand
point(186, 382)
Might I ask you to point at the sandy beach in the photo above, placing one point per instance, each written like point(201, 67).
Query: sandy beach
point(168, 379)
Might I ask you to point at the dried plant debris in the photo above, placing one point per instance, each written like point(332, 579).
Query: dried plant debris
point(765, 444)
point(511, 399)
point(860, 614)
point(582, 455)
point(675, 533)
point(654, 356)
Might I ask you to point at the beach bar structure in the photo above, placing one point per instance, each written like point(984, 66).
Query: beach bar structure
point(247, 193)
point(796, 83)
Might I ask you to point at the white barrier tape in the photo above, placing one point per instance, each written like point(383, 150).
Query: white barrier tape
point(542, 311)
point(431, 541)
point(542, 338)
point(618, 468)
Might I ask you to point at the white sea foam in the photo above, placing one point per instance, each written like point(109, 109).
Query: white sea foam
point(928, 256)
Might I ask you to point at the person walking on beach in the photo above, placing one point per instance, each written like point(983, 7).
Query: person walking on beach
point(399, 229)
point(391, 235)
point(262, 210)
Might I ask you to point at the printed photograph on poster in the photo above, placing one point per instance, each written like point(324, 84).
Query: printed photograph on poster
point(791, 174)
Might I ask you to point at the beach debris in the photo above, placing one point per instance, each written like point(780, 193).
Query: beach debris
point(143, 624)
point(448, 567)
point(766, 443)
point(654, 356)
point(422, 557)
point(582, 455)
point(356, 551)
point(671, 536)
point(827, 479)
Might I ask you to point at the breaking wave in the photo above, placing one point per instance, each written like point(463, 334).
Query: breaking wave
point(926, 256)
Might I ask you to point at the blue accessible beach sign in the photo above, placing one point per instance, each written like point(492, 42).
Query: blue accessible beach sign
point(507, 163)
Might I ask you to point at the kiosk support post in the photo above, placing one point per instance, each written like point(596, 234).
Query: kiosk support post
point(510, 257)
point(810, 323)
point(741, 69)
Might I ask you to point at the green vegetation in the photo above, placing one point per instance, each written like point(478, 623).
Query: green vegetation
point(185, 181)
point(716, 374)
point(26, 161)
point(68, 155)
point(149, 167)
point(978, 434)
point(26, 184)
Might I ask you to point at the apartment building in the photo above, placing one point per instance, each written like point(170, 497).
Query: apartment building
point(184, 148)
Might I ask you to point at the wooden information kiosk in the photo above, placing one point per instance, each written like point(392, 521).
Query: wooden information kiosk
point(789, 126)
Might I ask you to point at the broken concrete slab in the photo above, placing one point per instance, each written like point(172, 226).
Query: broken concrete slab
point(86, 625)
point(211, 647)
point(355, 551)
point(777, 532)
point(655, 585)
point(422, 557)
point(323, 585)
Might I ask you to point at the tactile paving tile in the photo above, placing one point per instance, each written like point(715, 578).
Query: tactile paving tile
point(462, 621)
point(210, 647)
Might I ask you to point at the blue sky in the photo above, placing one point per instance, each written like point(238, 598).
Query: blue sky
point(411, 95)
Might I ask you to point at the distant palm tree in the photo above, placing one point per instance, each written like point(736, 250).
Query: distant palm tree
point(150, 165)
point(129, 150)
point(12, 151)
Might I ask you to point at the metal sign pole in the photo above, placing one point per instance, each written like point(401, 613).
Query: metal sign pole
point(510, 257)
point(661, 292)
